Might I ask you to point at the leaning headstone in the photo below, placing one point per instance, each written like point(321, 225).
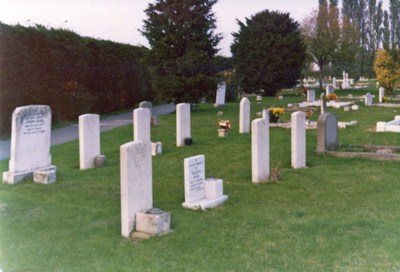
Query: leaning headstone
point(136, 183)
point(368, 99)
point(323, 103)
point(182, 124)
point(381, 94)
point(298, 120)
point(334, 84)
point(30, 145)
point(327, 132)
point(220, 99)
point(201, 193)
point(141, 124)
point(244, 116)
point(310, 95)
point(260, 150)
point(89, 140)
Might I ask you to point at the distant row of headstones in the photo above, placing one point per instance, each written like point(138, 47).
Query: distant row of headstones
point(30, 157)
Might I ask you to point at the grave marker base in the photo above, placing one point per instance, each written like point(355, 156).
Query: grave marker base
point(15, 177)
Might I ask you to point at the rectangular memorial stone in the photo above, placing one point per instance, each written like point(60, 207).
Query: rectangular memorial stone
point(244, 116)
point(141, 124)
point(220, 99)
point(298, 123)
point(30, 143)
point(260, 149)
point(310, 95)
point(89, 140)
point(327, 130)
point(182, 123)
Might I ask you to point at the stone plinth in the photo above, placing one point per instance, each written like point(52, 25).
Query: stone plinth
point(153, 224)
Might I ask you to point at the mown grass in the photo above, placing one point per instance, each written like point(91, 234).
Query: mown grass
point(336, 215)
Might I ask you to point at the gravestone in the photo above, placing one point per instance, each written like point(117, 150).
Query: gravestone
point(368, 99)
point(334, 84)
point(30, 145)
point(89, 140)
point(141, 124)
point(381, 94)
point(265, 114)
point(244, 116)
point(260, 150)
point(147, 105)
point(220, 99)
point(329, 90)
point(136, 183)
point(201, 193)
point(298, 123)
point(310, 95)
point(182, 124)
point(327, 132)
point(323, 103)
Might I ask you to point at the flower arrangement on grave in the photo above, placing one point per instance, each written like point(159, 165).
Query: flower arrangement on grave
point(384, 99)
point(275, 113)
point(224, 124)
point(331, 97)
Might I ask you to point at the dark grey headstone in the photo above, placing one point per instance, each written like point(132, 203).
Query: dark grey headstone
point(327, 128)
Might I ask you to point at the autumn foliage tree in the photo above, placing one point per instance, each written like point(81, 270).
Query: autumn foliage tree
point(387, 70)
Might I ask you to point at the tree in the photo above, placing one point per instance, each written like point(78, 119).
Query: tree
point(268, 52)
point(322, 33)
point(182, 40)
point(387, 70)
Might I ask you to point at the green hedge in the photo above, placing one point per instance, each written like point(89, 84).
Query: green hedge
point(70, 73)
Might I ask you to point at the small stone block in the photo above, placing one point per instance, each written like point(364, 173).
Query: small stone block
point(153, 224)
point(346, 108)
point(45, 176)
point(213, 188)
point(156, 148)
point(100, 161)
point(355, 107)
point(222, 133)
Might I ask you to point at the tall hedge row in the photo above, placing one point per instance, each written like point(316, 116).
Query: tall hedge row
point(71, 74)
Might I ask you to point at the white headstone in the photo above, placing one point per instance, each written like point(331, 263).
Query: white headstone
point(368, 99)
point(220, 99)
point(136, 183)
point(329, 90)
point(381, 94)
point(298, 122)
point(141, 124)
point(201, 193)
point(265, 114)
point(260, 149)
point(334, 84)
point(148, 105)
point(322, 103)
point(182, 123)
point(244, 116)
point(89, 140)
point(30, 143)
point(310, 95)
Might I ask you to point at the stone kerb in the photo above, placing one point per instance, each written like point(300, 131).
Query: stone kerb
point(136, 183)
point(298, 139)
point(260, 150)
point(327, 132)
point(201, 193)
point(89, 140)
point(244, 116)
point(30, 143)
point(182, 123)
point(141, 124)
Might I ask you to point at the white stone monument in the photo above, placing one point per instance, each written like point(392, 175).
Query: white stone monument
point(141, 124)
point(260, 150)
point(30, 145)
point(89, 140)
point(381, 94)
point(334, 84)
point(298, 123)
point(201, 193)
point(182, 123)
point(368, 99)
point(265, 114)
point(329, 90)
point(310, 95)
point(220, 99)
point(244, 116)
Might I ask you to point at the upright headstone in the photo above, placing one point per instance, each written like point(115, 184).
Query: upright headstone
point(310, 95)
point(30, 143)
point(334, 84)
point(148, 105)
point(329, 90)
point(182, 123)
point(298, 121)
point(89, 140)
point(322, 100)
point(220, 99)
point(244, 116)
point(265, 114)
point(327, 132)
point(368, 99)
point(141, 124)
point(136, 183)
point(260, 150)
point(381, 94)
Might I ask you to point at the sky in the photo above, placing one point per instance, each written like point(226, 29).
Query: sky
point(120, 20)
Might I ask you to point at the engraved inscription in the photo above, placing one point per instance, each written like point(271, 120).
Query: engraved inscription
point(34, 124)
point(196, 175)
point(139, 155)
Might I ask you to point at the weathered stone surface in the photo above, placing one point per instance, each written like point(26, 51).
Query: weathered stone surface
point(260, 150)
point(327, 132)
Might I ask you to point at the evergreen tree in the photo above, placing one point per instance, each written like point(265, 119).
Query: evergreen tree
point(183, 44)
point(268, 52)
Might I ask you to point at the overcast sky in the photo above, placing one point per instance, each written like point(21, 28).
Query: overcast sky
point(119, 20)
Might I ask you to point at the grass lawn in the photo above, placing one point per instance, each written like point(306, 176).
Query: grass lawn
point(336, 215)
